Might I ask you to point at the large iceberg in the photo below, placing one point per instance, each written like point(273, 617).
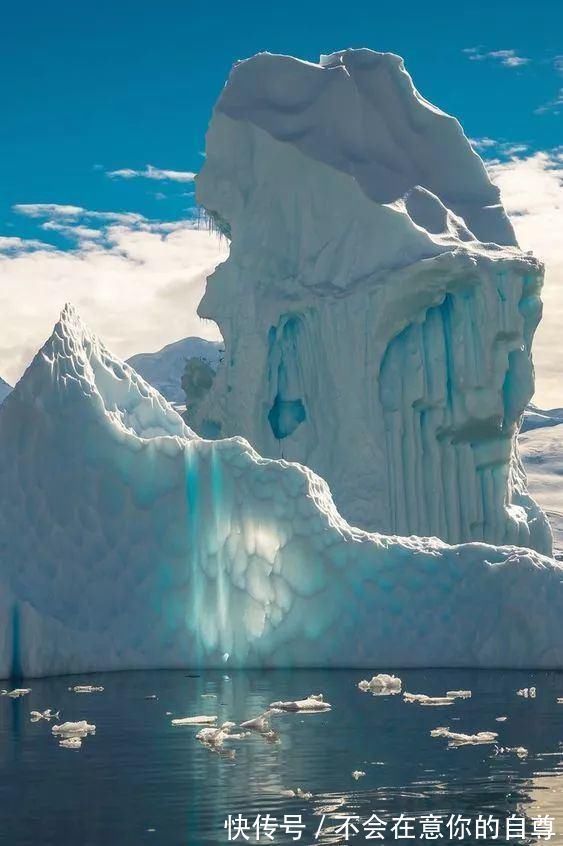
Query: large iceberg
point(127, 541)
point(377, 312)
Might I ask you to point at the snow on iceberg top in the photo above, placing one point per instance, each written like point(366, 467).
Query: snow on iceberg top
point(359, 112)
point(75, 360)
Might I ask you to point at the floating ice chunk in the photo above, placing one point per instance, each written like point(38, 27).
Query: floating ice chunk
point(86, 688)
point(458, 739)
point(216, 736)
point(423, 699)
point(17, 693)
point(262, 722)
point(35, 716)
point(296, 794)
point(194, 721)
point(71, 742)
point(521, 751)
point(313, 702)
point(381, 685)
point(527, 692)
point(458, 694)
point(77, 729)
point(358, 774)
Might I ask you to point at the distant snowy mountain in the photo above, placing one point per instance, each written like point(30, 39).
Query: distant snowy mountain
point(163, 369)
point(4, 390)
point(537, 418)
point(541, 450)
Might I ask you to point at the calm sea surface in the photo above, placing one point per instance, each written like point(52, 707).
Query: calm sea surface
point(140, 780)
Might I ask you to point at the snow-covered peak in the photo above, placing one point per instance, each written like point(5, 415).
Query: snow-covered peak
point(73, 361)
point(358, 112)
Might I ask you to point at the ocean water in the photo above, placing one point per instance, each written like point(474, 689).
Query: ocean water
point(140, 780)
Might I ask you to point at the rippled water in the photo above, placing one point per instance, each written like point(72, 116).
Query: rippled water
point(140, 780)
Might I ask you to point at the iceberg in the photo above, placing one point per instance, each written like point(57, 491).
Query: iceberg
point(127, 541)
point(377, 312)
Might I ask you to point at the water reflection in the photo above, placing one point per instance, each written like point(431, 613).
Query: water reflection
point(140, 779)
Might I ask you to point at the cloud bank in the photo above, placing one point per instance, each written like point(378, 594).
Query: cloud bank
point(532, 191)
point(136, 283)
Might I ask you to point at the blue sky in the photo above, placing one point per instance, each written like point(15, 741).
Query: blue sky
point(123, 84)
point(92, 89)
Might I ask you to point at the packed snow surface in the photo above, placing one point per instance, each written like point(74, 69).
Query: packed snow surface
point(376, 310)
point(129, 542)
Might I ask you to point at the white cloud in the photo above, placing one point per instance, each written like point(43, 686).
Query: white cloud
point(136, 283)
point(15, 244)
point(151, 172)
point(532, 192)
point(508, 58)
point(72, 213)
point(552, 105)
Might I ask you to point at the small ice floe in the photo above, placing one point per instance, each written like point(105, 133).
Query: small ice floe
point(423, 699)
point(521, 751)
point(312, 703)
point(35, 716)
point(71, 742)
point(458, 694)
point(358, 774)
point(381, 685)
point(86, 688)
point(458, 739)
point(202, 720)
point(296, 794)
point(501, 719)
point(527, 692)
point(78, 729)
point(261, 724)
point(16, 693)
point(214, 738)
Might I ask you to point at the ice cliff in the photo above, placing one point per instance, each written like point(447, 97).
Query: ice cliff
point(377, 312)
point(126, 541)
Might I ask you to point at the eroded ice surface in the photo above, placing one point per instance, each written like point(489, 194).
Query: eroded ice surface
point(129, 542)
point(377, 312)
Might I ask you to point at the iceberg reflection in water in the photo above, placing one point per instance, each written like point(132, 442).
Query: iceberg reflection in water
point(140, 779)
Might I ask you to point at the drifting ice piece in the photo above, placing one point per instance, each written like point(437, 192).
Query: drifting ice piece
point(194, 721)
point(457, 739)
point(128, 542)
point(313, 702)
point(381, 685)
point(376, 310)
